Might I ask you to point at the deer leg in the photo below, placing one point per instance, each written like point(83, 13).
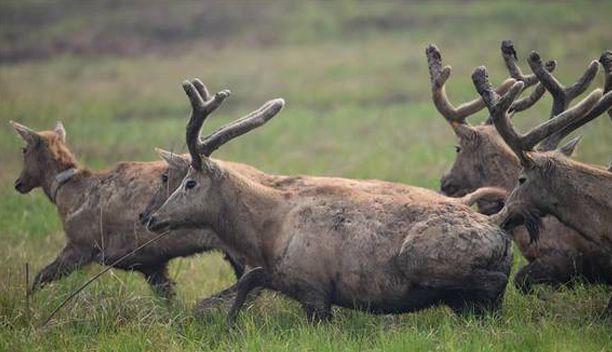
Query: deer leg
point(68, 260)
point(255, 277)
point(236, 264)
point(551, 270)
point(483, 292)
point(158, 278)
point(223, 300)
point(317, 308)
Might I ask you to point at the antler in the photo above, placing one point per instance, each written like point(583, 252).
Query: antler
point(510, 58)
point(499, 107)
point(202, 107)
point(562, 96)
point(241, 126)
point(439, 76)
point(565, 95)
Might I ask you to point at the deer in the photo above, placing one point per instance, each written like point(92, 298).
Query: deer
point(178, 166)
point(550, 182)
point(336, 245)
point(561, 255)
point(98, 210)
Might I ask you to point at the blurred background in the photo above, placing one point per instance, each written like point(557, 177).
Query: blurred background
point(353, 73)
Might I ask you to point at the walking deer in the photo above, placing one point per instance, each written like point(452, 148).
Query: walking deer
point(99, 211)
point(333, 244)
point(577, 194)
point(483, 159)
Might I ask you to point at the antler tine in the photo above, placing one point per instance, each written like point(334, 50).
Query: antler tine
point(510, 58)
point(553, 140)
point(604, 104)
point(567, 117)
point(499, 106)
point(606, 61)
point(439, 76)
point(241, 126)
point(200, 110)
point(562, 96)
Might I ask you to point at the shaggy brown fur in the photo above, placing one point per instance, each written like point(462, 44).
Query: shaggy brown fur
point(178, 166)
point(356, 247)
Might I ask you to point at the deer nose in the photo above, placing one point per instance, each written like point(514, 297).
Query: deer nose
point(19, 185)
point(448, 187)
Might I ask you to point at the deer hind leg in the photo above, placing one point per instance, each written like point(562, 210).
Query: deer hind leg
point(252, 279)
point(480, 293)
point(71, 258)
point(223, 300)
point(158, 278)
point(554, 270)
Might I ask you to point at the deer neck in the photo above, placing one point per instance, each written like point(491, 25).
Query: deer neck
point(249, 218)
point(582, 201)
point(64, 187)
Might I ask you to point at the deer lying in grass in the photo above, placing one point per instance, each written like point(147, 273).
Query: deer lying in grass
point(483, 159)
point(99, 212)
point(178, 166)
point(333, 244)
point(551, 183)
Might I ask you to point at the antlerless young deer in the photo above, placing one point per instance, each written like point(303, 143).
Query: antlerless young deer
point(99, 212)
point(333, 244)
point(577, 194)
point(484, 159)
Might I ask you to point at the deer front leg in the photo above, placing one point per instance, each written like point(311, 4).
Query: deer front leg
point(158, 278)
point(554, 270)
point(317, 308)
point(254, 278)
point(71, 258)
point(236, 264)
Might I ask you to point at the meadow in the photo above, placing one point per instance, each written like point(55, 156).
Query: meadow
point(355, 79)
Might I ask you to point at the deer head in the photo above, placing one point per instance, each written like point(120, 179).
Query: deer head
point(45, 155)
point(176, 169)
point(547, 176)
point(197, 198)
point(483, 159)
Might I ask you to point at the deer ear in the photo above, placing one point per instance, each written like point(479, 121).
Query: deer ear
point(60, 131)
point(464, 131)
point(172, 159)
point(28, 135)
point(568, 148)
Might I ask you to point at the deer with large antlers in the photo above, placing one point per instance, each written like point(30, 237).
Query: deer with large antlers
point(336, 244)
point(483, 159)
point(99, 212)
point(551, 183)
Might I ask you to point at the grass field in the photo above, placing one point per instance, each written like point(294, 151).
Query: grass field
point(355, 79)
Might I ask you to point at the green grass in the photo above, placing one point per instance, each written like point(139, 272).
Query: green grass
point(355, 79)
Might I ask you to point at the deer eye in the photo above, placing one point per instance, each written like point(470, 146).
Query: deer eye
point(190, 184)
point(522, 179)
point(164, 178)
point(24, 150)
point(457, 148)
